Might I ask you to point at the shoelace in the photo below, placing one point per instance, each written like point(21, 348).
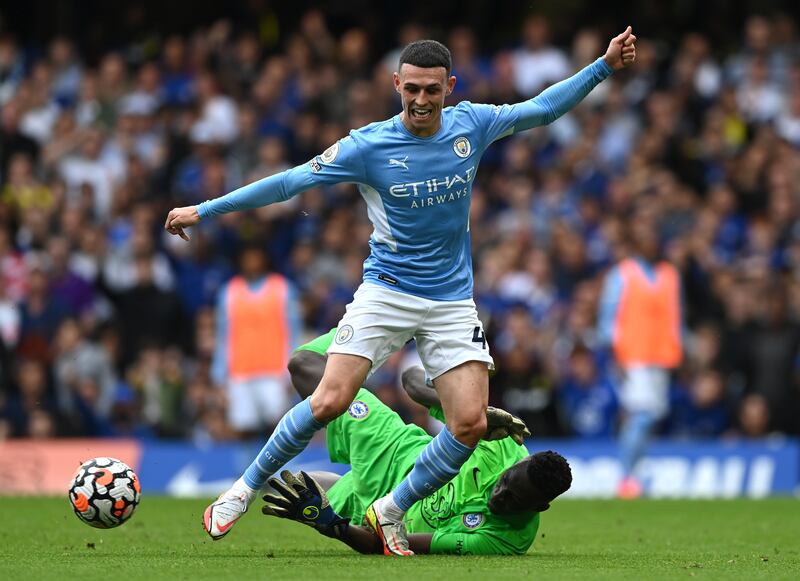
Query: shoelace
point(226, 511)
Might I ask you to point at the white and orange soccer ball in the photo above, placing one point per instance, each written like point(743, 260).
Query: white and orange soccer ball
point(104, 492)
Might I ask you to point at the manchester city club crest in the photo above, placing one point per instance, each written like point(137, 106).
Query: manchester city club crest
point(344, 334)
point(462, 147)
point(358, 409)
point(330, 154)
point(472, 520)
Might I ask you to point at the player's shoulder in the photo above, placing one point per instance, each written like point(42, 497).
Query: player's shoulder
point(372, 130)
point(462, 108)
point(469, 112)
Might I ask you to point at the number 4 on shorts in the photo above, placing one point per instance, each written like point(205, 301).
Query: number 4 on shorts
point(478, 336)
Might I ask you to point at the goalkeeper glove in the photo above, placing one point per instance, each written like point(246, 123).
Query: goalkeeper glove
point(300, 498)
point(501, 424)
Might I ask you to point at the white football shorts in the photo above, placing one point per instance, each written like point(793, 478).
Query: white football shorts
point(380, 321)
point(645, 388)
point(258, 402)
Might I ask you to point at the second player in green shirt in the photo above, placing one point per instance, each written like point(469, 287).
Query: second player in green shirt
point(491, 507)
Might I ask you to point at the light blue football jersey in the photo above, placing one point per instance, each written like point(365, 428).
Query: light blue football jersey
point(417, 190)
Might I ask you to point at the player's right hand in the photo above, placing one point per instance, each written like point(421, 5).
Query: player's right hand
point(501, 424)
point(300, 498)
point(180, 218)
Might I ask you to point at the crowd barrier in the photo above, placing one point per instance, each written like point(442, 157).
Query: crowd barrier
point(691, 469)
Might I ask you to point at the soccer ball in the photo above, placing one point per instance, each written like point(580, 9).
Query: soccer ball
point(104, 492)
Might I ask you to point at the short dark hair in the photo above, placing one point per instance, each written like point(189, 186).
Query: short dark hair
point(426, 54)
point(550, 474)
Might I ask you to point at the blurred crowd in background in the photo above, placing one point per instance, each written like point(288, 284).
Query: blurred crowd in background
point(108, 324)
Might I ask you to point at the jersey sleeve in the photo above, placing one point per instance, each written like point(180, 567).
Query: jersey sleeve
point(320, 344)
point(436, 412)
point(609, 305)
point(476, 543)
point(341, 162)
point(500, 121)
point(496, 121)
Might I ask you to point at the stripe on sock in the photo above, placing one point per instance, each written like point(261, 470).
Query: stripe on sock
point(437, 464)
point(290, 438)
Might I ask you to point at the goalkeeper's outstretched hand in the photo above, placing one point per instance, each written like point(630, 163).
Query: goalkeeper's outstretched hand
point(501, 424)
point(300, 498)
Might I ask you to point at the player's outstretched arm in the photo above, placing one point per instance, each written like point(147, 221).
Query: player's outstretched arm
point(341, 162)
point(306, 369)
point(556, 100)
point(413, 380)
point(272, 189)
point(364, 541)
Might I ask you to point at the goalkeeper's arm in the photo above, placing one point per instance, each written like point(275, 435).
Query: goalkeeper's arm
point(417, 388)
point(302, 498)
point(365, 542)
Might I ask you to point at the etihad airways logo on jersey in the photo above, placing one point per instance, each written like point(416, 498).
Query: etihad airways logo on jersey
point(432, 185)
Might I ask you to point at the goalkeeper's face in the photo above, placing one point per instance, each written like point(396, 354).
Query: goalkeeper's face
point(423, 91)
point(531, 484)
point(514, 492)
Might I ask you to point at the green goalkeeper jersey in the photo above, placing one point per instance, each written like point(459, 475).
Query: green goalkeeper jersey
point(381, 450)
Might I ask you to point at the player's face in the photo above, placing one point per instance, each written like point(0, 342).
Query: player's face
point(514, 492)
point(422, 91)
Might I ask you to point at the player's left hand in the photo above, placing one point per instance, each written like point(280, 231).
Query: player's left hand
point(501, 424)
point(621, 50)
point(300, 498)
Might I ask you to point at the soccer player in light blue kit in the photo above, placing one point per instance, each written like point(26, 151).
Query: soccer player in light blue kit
point(415, 172)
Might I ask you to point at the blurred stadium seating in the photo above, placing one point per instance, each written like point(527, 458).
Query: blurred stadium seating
point(107, 324)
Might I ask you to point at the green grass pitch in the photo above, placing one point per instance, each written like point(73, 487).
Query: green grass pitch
point(40, 538)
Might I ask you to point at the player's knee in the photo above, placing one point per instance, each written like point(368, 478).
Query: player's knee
point(328, 408)
point(469, 431)
point(330, 401)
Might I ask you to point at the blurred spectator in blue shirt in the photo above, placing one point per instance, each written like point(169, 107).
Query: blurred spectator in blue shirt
point(700, 410)
point(587, 401)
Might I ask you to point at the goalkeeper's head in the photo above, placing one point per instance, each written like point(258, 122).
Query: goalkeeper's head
point(531, 484)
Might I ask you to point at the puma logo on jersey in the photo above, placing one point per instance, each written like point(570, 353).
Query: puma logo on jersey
point(399, 162)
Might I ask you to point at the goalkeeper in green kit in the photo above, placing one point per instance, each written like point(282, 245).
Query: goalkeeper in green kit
point(491, 507)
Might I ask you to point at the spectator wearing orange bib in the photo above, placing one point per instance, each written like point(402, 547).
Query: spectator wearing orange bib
point(257, 329)
point(641, 319)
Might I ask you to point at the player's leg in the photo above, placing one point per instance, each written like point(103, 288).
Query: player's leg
point(342, 378)
point(455, 354)
point(644, 397)
point(380, 449)
point(375, 325)
point(343, 375)
point(379, 446)
point(633, 436)
point(464, 393)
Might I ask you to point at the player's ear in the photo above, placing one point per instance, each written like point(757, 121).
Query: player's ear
point(396, 80)
point(451, 84)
